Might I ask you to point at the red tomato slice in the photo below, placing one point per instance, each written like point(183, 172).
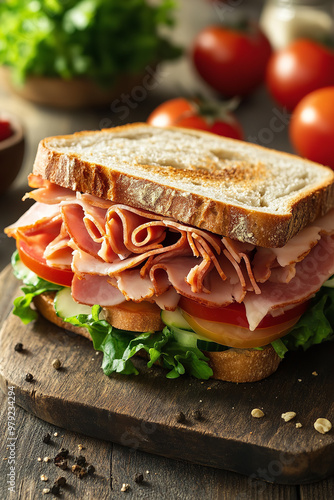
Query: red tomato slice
point(237, 336)
point(32, 257)
point(235, 313)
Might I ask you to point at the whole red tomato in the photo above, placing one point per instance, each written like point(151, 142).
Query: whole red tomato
point(231, 61)
point(312, 126)
point(181, 112)
point(297, 70)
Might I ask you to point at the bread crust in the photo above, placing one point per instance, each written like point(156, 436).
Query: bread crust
point(243, 365)
point(232, 365)
point(258, 227)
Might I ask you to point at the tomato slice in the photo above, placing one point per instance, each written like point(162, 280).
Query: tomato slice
point(32, 257)
point(237, 336)
point(235, 313)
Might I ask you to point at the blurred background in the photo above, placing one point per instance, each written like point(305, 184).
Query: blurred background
point(70, 65)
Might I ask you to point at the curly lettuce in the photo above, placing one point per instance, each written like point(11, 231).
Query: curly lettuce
point(99, 39)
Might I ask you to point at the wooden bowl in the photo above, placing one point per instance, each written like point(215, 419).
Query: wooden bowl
point(11, 151)
point(69, 94)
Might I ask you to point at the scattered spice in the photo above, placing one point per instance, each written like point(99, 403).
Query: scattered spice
point(289, 415)
point(79, 471)
point(197, 415)
point(29, 377)
point(125, 487)
point(181, 418)
point(80, 460)
point(60, 460)
point(80, 447)
point(322, 425)
point(55, 490)
point(56, 363)
point(63, 452)
point(257, 413)
point(139, 478)
point(90, 469)
point(61, 481)
point(18, 347)
point(44, 477)
point(47, 438)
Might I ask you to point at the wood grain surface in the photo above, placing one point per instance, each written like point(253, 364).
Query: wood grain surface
point(142, 412)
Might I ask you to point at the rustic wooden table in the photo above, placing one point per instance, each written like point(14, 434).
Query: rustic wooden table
point(115, 465)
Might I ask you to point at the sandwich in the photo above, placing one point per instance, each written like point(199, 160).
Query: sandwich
point(206, 255)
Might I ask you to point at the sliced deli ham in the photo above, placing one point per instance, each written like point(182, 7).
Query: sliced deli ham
point(311, 273)
point(121, 253)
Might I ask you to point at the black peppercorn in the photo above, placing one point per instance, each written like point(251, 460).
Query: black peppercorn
point(139, 478)
point(197, 415)
point(90, 469)
point(181, 418)
point(29, 377)
point(80, 460)
point(55, 490)
point(61, 481)
point(47, 438)
point(18, 347)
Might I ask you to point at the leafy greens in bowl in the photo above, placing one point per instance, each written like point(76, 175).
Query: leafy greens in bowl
point(99, 40)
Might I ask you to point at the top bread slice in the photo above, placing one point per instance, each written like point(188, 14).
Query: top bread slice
point(229, 187)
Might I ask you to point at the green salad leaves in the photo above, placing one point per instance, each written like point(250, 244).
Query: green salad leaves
point(119, 346)
point(99, 39)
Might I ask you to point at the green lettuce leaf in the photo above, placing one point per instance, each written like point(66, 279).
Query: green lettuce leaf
point(119, 346)
point(33, 285)
point(314, 327)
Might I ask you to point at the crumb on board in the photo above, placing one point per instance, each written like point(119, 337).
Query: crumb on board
point(257, 413)
point(322, 425)
point(289, 415)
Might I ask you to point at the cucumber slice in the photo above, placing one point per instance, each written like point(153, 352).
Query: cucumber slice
point(175, 319)
point(184, 337)
point(22, 272)
point(66, 307)
point(204, 345)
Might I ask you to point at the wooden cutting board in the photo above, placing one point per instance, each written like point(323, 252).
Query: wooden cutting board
point(142, 412)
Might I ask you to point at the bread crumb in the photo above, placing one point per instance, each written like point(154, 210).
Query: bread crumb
point(322, 425)
point(44, 477)
point(39, 459)
point(125, 487)
point(46, 459)
point(55, 434)
point(300, 380)
point(298, 425)
point(46, 491)
point(257, 413)
point(287, 416)
point(315, 373)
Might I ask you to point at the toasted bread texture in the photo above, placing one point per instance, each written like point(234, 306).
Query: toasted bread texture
point(229, 187)
point(233, 365)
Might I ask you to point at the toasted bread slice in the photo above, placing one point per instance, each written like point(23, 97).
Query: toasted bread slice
point(229, 187)
point(233, 365)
